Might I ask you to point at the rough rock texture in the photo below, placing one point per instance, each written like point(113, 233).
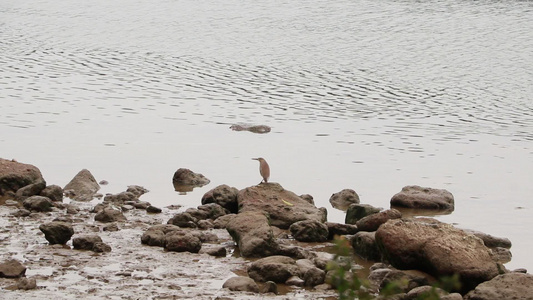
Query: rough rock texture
point(505, 286)
point(343, 199)
point(372, 222)
point(404, 280)
point(82, 187)
point(12, 269)
point(155, 235)
point(273, 268)
point(423, 198)
point(57, 232)
point(54, 192)
point(108, 215)
point(121, 198)
point(340, 229)
point(222, 222)
point(356, 212)
point(223, 195)
point(15, 175)
point(90, 242)
point(421, 291)
point(253, 234)
point(180, 241)
point(309, 231)
point(183, 220)
point(436, 248)
point(491, 241)
point(283, 207)
point(207, 211)
point(241, 283)
point(38, 203)
point(364, 244)
point(27, 284)
point(184, 178)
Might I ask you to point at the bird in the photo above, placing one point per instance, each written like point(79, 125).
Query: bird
point(264, 169)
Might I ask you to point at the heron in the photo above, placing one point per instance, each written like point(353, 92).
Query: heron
point(264, 169)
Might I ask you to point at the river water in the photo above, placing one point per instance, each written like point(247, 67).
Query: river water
point(361, 94)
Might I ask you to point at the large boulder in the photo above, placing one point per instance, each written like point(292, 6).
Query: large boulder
point(436, 248)
point(82, 187)
point(273, 268)
point(185, 180)
point(15, 175)
point(505, 286)
point(343, 199)
point(309, 231)
point(372, 222)
point(415, 196)
point(12, 269)
point(253, 234)
point(283, 207)
point(224, 196)
point(57, 232)
point(241, 283)
point(38, 203)
point(356, 212)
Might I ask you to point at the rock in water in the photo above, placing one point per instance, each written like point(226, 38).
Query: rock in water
point(423, 198)
point(343, 199)
point(82, 187)
point(185, 180)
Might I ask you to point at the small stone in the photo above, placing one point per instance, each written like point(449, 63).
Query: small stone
point(101, 247)
point(12, 269)
point(27, 284)
point(153, 210)
point(57, 232)
point(270, 287)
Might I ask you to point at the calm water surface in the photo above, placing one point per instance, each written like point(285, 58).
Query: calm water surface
point(368, 95)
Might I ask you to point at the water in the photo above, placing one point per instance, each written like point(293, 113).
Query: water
point(368, 95)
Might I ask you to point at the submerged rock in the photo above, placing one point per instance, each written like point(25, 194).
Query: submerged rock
point(82, 187)
point(343, 199)
point(423, 198)
point(15, 175)
point(57, 232)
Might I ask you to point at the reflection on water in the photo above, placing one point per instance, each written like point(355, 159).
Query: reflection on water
point(369, 95)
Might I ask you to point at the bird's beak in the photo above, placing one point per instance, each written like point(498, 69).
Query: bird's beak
point(255, 158)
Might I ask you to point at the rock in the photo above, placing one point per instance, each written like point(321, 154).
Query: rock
point(250, 128)
point(111, 227)
point(72, 209)
point(53, 192)
point(436, 248)
point(501, 255)
point(372, 222)
point(183, 220)
point(217, 252)
point(295, 281)
point(12, 269)
point(100, 247)
point(141, 205)
point(222, 222)
point(423, 198)
point(343, 199)
point(38, 203)
point(356, 212)
point(108, 215)
point(120, 198)
point(22, 213)
point(270, 287)
point(15, 175)
point(491, 241)
point(309, 231)
point(314, 276)
point(424, 291)
point(137, 190)
point(224, 196)
point(11, 203)
point(241, 283)
point(30, 190)
point(57, 232)
point(376, 276)
point(180, 241)
point(83, 186)
point(207, 211)
point(273, 268)
point(153, 210)
point(364, 244)
point(184, 178)
point(85, 242)
point(205, 224)
point(403, 280)
point(308, 198)
point(155, 235)
point(27, 284)
point(340, 229)
point(283, 207)
point(505, 286)
point(253, 234)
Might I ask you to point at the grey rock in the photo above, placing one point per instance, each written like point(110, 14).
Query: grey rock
point(241, 283)
point(38, 204)
point(222, 222)
point(309, 231)
point(423, 198)
point(53, 192)
point(179, 241)
point(372, 222)
point(224, 196)
point(270, 287)
point(343, 199)
point(100, 247)
point(15, 175)
point(364, 244)
point(505, 286)
point(356, 212)
point(253, 234)
point(153, 210)
point(337, 229)
point(273, 268)
point(108, 215)
point(183, 220)
point(26, 284)
point(82, 187)
point(185, 177)
point(86, 242)
point(12, 269)
point(57, 232)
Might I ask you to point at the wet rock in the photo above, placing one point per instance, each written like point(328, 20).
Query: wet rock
point(356, 212)
point(15, 175)
point(100, 247)
point(340, 229)
point(314, 276)
point(179, 241)
point(72, 209)
point(153, 210)
point(11, 203)
point(491, 241)
point(207, 211)
point(295, 281)
point(224, 196)
point(155, 235)
point(222, 222)
point(216, 252)
point(186, 177)
point(505, 286)
point(26, 284)
point(22, 213)
point(273, 268)
point(423, 198)
point(436, 248)
point(343, 199)
point(404, 280)
point(283, 207)
point(86, 242)
point(141, 205)
point(38, 204)
point(501, 255)
point(364, 244)
point(30, 190)
point(372, 222)
point(137, 190)
point(108, 215)
point(251, 128)
point(423, 292)
point(241, 283)
point(205, 224)
point(309, 231)
point(120, 198)
point(111, 227)
point(270, 287)
point(82, 187)
point(57, 232)
point(53, 192)
point(308, 198)
point(253, 234)
point(12, 269)
point(184, 220)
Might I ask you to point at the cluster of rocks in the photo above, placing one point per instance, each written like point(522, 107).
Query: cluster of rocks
point(284, 232)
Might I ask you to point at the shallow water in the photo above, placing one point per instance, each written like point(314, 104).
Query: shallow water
point(368, 95)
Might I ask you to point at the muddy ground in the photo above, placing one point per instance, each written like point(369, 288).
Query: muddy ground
point(130, 271)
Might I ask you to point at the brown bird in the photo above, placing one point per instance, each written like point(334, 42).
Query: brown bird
point(264, 169)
